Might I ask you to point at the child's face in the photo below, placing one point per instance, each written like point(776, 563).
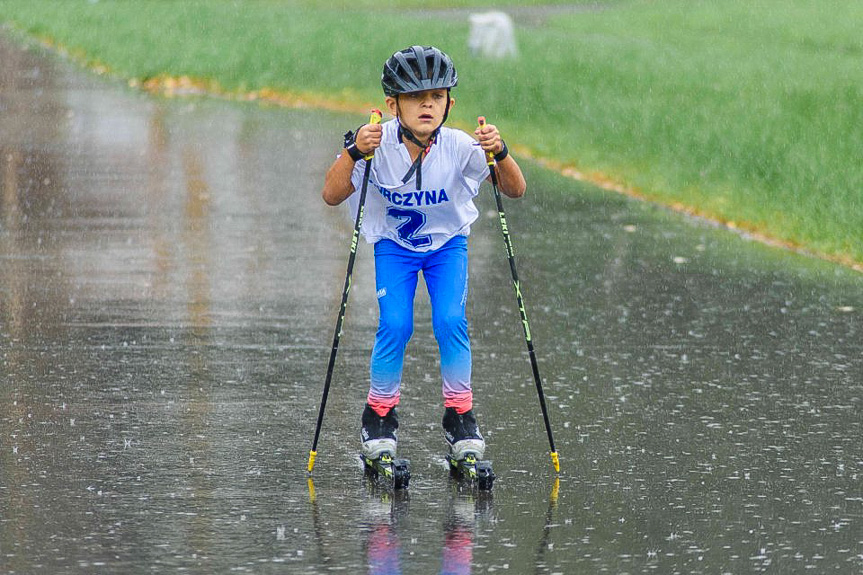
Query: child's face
point(420, 112)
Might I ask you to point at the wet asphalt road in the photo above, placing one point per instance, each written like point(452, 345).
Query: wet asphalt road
point(169, 280)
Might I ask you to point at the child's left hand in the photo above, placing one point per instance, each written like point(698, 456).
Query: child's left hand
point(489, 138)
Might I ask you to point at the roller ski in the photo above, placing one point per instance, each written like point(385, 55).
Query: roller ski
point(380, 437)
point(466, 449)
point(388, 471)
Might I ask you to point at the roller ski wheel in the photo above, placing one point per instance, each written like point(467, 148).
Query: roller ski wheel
point(386, 470)
point(469, 470)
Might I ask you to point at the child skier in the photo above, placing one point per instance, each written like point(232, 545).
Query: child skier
point(418, 211)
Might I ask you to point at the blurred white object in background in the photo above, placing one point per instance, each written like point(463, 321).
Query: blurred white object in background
point(492, 35)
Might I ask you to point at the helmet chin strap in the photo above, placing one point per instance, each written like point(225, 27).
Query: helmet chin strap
point(405, 133)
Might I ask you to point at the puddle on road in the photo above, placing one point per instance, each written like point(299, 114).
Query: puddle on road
point(168, 290)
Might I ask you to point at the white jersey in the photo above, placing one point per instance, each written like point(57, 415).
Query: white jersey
point(420, 220)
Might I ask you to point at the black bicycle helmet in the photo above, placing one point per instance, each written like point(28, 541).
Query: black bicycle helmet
point(416, 69)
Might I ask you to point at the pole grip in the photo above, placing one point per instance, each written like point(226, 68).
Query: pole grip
point(489, 156)
point(375, 118)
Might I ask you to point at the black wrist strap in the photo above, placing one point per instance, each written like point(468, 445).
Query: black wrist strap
point(354, 152)
point(501, 154)
point(351, 145)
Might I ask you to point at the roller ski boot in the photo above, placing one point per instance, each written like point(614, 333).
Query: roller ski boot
point(466, 449)
point(380, 437)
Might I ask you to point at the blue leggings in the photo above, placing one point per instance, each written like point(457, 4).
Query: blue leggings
point(445, 273)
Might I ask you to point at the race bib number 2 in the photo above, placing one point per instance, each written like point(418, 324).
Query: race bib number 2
point(408, 230)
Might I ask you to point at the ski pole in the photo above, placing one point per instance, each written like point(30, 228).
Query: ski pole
point(374, 119)
point(555, 459)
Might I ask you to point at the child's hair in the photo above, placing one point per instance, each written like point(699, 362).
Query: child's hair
point(416, 69)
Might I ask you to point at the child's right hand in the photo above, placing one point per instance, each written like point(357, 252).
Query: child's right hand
point(368, 138)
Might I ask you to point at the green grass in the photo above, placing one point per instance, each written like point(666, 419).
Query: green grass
point(746, 111)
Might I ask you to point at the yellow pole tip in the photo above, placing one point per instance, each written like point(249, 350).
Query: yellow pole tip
point(555, 458)
point(312, 455)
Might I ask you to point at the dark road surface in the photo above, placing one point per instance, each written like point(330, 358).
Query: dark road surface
point(169, 281)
